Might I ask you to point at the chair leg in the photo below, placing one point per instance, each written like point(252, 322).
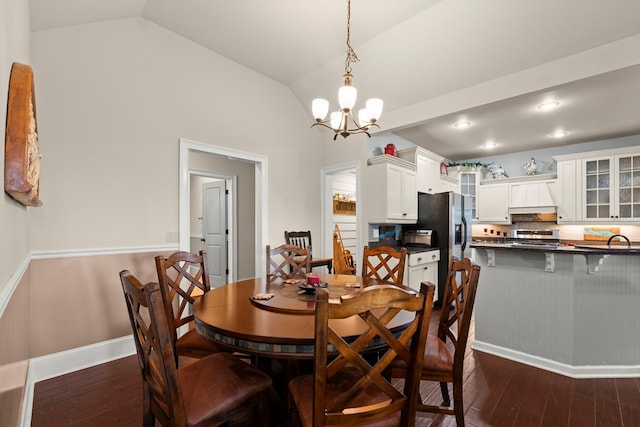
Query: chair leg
point(458, 407)
point(148, 419)
point(446, 400)
point(263, 409)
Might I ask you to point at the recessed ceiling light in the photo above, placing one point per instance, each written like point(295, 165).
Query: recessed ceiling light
point(559, 134)
point(489, 145)
point(548, 105)
point(462, 124)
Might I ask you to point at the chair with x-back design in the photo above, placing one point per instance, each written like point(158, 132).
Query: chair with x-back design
point(384, 263)
point(183, 276)
point(210, 391)
point(345, 388)
point(445, 353)
point(288, 261)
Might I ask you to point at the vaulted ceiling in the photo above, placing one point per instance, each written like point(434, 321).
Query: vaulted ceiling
point(433, 62)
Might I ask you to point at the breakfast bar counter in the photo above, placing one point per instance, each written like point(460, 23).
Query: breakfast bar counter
point(577, 319)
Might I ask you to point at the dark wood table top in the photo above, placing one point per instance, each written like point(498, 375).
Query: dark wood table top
point(281, 327)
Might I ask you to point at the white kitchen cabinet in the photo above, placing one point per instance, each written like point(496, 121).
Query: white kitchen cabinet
point(601, 186)
point(493, 203)
point(566, 193)
point(422, 267)
point(391, 194)
point(428, 176)
point(611, 188)
point(469, 183)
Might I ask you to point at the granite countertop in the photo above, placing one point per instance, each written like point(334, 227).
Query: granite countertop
point(577, 248)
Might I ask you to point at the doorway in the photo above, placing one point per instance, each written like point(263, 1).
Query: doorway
point(344, 181)
point(191, 150)
point(213, 218)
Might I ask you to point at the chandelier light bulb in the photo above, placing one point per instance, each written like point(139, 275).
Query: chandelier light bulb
point(320, 108)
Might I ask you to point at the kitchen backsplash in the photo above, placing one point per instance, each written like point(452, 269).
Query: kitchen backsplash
point(567, 232)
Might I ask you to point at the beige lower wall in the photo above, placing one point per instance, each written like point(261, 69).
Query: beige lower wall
point(77, 301)
point(14, 353)
point(62, 303)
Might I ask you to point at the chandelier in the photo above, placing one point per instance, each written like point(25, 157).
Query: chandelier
point(343, 122)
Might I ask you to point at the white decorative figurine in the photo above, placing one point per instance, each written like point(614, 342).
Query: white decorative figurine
point(497, 171)
point(529, 168)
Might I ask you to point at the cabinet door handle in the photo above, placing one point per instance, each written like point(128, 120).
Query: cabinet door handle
point(426, 268)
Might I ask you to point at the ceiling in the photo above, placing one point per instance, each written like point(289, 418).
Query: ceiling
point(433, 62)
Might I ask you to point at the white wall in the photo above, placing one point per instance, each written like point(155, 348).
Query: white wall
point(115, 99)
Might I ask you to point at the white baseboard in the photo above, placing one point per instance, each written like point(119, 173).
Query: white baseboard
point(64, 362)
point(591, 371)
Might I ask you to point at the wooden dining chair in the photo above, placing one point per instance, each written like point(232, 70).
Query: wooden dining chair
point(443, 361)
point(183, 276)
point(298, 238)
point(209, 391)
point(288, 261)
point(342, 258)
point(384, 263)
point(344, 387)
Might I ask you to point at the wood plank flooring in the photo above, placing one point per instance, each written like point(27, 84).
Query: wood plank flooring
point(497, 392)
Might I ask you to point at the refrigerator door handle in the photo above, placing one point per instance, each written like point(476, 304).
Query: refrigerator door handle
point(464, 236)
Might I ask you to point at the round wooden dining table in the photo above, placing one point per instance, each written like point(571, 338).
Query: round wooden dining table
point(280, 327)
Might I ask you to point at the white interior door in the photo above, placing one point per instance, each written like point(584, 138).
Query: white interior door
point(214, 230)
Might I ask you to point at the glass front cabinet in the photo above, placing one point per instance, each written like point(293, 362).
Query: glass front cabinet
point(469, 187)
point(611, 187)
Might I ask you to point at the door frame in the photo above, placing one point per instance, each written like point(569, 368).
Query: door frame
point(326, 203)
point(261, 194)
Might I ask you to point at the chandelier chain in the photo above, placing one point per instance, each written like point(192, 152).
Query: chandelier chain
point(351, 54)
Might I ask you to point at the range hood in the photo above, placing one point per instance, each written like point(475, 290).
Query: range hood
point(531, 198)
point(530, 210)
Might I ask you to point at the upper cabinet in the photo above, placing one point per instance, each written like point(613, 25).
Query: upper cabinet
point(611, 187)
point(469, 182)
point(390, 190)
point(566, 194)
point(430, 176)
point(493, 203)
point(603, 186)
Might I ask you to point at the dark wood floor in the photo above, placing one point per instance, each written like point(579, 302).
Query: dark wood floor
point(497, 392)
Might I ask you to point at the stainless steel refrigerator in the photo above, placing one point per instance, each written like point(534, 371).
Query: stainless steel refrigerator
point(449, 216)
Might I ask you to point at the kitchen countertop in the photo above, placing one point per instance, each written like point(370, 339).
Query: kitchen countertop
point(565, 249)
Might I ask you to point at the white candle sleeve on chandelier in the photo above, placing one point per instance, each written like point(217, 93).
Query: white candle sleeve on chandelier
point(374, 107)
point(320, 108)
point(347, 97)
